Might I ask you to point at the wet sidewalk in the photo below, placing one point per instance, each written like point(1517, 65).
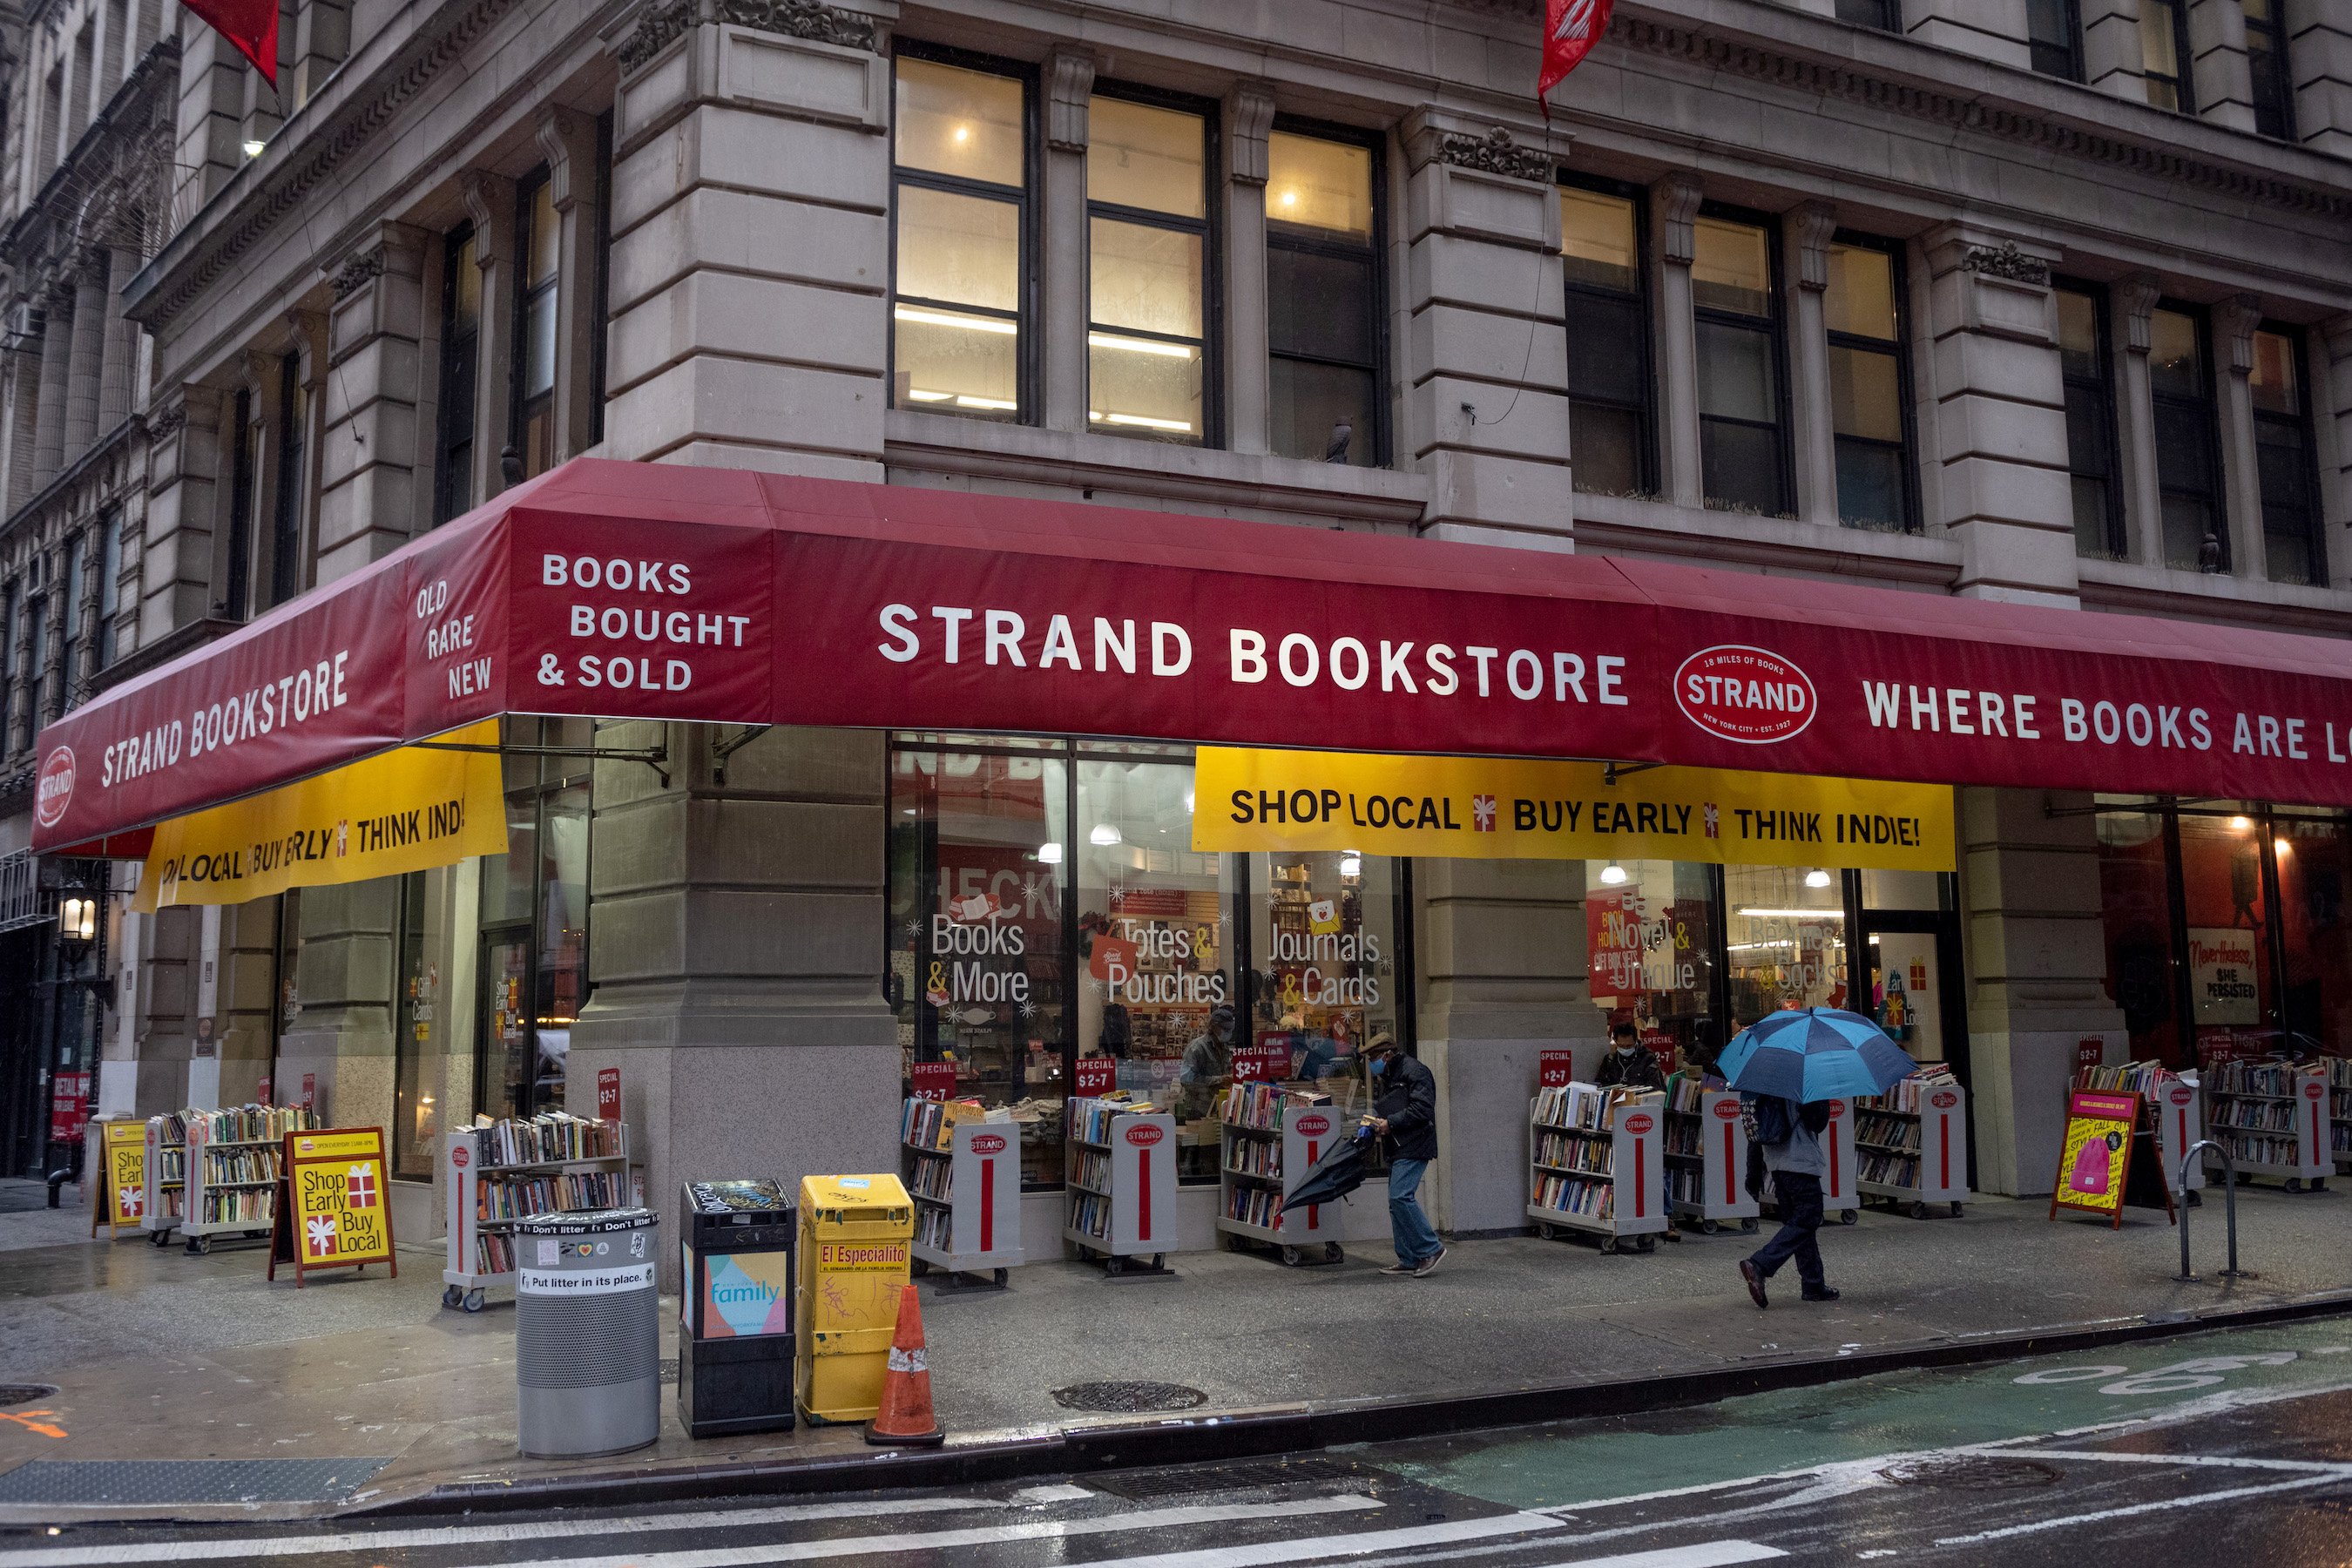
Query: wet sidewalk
point(385, 1397)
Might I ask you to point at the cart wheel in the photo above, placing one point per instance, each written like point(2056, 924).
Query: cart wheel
point(1849, 1217)
point(1708, 1228)
point(1332, 1254)
point(451, 1296)
point(1646, 1243)
point(2295, 1184)
point(1956, 1208)
point(1290, 1256)
point(1748, 1226)
point(1115, 1265)
point(474, 1300)
point(1918, 1208)
point(158, 1238)
point(1002, 1275)
point(918, 1268)
point(1608, 1244)
point(1159, 1260)
point(2190, 1199)
point(1547, 1232)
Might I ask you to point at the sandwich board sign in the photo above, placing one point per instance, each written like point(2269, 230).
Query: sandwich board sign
point(333, 1208)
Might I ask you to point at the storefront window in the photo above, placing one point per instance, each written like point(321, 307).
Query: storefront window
point(978, 847)
point(533, 958)
point(416, 1117)
point(1323, 961)
point(1053, 932)
point(1157, 993)
point(1650, 944)
point(2229, 975)
point(1786, 941)
point(2135, 901)
point(2314, 866)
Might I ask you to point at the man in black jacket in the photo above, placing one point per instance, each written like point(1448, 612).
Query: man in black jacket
point(1404, 1112)
point(1630, 1064)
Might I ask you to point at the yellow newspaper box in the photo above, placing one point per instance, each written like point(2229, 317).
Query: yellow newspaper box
point(857, 1240)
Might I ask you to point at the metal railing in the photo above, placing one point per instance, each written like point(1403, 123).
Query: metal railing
point(2229, 1208)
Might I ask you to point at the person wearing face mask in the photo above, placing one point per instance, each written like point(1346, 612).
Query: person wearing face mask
point(1207, 1059)
point(1629, 1064)
point(1404, 1112)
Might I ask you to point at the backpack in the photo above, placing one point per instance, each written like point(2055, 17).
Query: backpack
point(1773, 1123)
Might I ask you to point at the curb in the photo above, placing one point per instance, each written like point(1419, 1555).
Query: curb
point(1290, 1430)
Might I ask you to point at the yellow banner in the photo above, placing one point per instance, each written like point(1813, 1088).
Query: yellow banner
point(1477, 808)
point(407, 810)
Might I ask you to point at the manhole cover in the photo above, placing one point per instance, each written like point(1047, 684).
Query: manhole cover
point(1974, 1474)
point(1149, 1484)
point(1128, 1398)
point(24, 1393)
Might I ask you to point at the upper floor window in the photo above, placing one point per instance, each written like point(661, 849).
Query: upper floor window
point(1610, 441)
point(2266, 64)
point(2188, 477)
point(110, 584)
point(1742, 404)
point(69, 595)
point(10, 603)
point(461, 347)
point(2053, 32)
point(2165, 54)
point(2292, 540)
point(243, 497)
point(1886, 16)
point(961, 203)
point(536, 312)
point(37, 665)
point(1325, 396)
point(2089, 379)
point(1869, 383)
point(1147, 240)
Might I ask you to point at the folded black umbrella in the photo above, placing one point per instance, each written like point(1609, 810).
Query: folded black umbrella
point(1339, 1172)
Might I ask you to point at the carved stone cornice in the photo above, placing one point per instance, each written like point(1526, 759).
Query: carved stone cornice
point(1069, 83)
point(2136, 297)
point(1497, 152)
point(1678, 198)
point(2235, 322)
point(489, 203)
point(357, 273)
point(1814, 223)
point(1248, 120)
point(2009, 263)
point(808, 19)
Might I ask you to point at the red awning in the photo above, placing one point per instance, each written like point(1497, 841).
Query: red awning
point(653, 592)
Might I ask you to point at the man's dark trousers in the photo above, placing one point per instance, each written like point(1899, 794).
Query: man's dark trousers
point(1799, 1194)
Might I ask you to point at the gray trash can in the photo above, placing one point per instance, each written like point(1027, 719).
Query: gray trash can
point(587, 1334)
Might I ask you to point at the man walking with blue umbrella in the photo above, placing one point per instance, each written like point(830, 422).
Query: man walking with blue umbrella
point(1797, 1164)
point(1789, 1067)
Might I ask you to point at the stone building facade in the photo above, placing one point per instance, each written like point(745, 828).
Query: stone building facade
point(1940, 295)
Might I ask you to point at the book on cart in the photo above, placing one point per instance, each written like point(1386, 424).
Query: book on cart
point(232, 1170)
point(500, 1172)
point(2275, 1119)
point(1707, 1155)
point(1119, 1181)
point(1598, 1165)
point(167, 1174)
point(963, 1170)
point(1911, 1144)
point(2339, 1110)
point(1268, 1133)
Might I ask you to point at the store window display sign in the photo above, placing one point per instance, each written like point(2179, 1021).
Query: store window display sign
point(1502, 809)
point(634, 591)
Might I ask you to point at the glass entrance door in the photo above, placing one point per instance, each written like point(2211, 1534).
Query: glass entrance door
point(506, 1067)
point(1910, 939)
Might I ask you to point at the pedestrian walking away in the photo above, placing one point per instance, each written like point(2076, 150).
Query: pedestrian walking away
point(1404, 1112)
point(1789, 1134)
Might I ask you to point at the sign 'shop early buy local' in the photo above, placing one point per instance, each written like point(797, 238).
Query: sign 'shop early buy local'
point(645, 591)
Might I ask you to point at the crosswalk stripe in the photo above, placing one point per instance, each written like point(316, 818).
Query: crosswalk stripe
point(476, 1534)
point(1706, 1554)
point(739, 1556)
point(1317, 1548)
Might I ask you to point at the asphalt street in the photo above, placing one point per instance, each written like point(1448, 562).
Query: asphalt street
point(2218, 1450)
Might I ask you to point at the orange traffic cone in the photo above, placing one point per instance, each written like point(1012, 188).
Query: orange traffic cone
point(906, 1417)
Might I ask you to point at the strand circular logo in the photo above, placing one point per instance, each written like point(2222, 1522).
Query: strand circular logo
point(1727, 1110)
point(1639, 1122)
point(54, 790)
point(988, 1144)
point(1943, 1100)
point(1314, 1126)
point(1749, 695)
point(1143, 1137)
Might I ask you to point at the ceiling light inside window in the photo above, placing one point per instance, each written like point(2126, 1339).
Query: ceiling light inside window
point(1817, 877)
point(1614, 874)
point(1105, 834)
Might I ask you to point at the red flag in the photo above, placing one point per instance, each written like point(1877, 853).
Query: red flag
point(250, 24)
point(1571, 29)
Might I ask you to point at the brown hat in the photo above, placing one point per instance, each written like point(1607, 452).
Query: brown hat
point(1382, 1040)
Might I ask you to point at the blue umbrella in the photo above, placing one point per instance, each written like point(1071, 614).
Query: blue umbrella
point(1813, 1053)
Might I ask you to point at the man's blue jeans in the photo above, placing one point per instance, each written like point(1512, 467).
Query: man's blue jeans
point(1416, 1240)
